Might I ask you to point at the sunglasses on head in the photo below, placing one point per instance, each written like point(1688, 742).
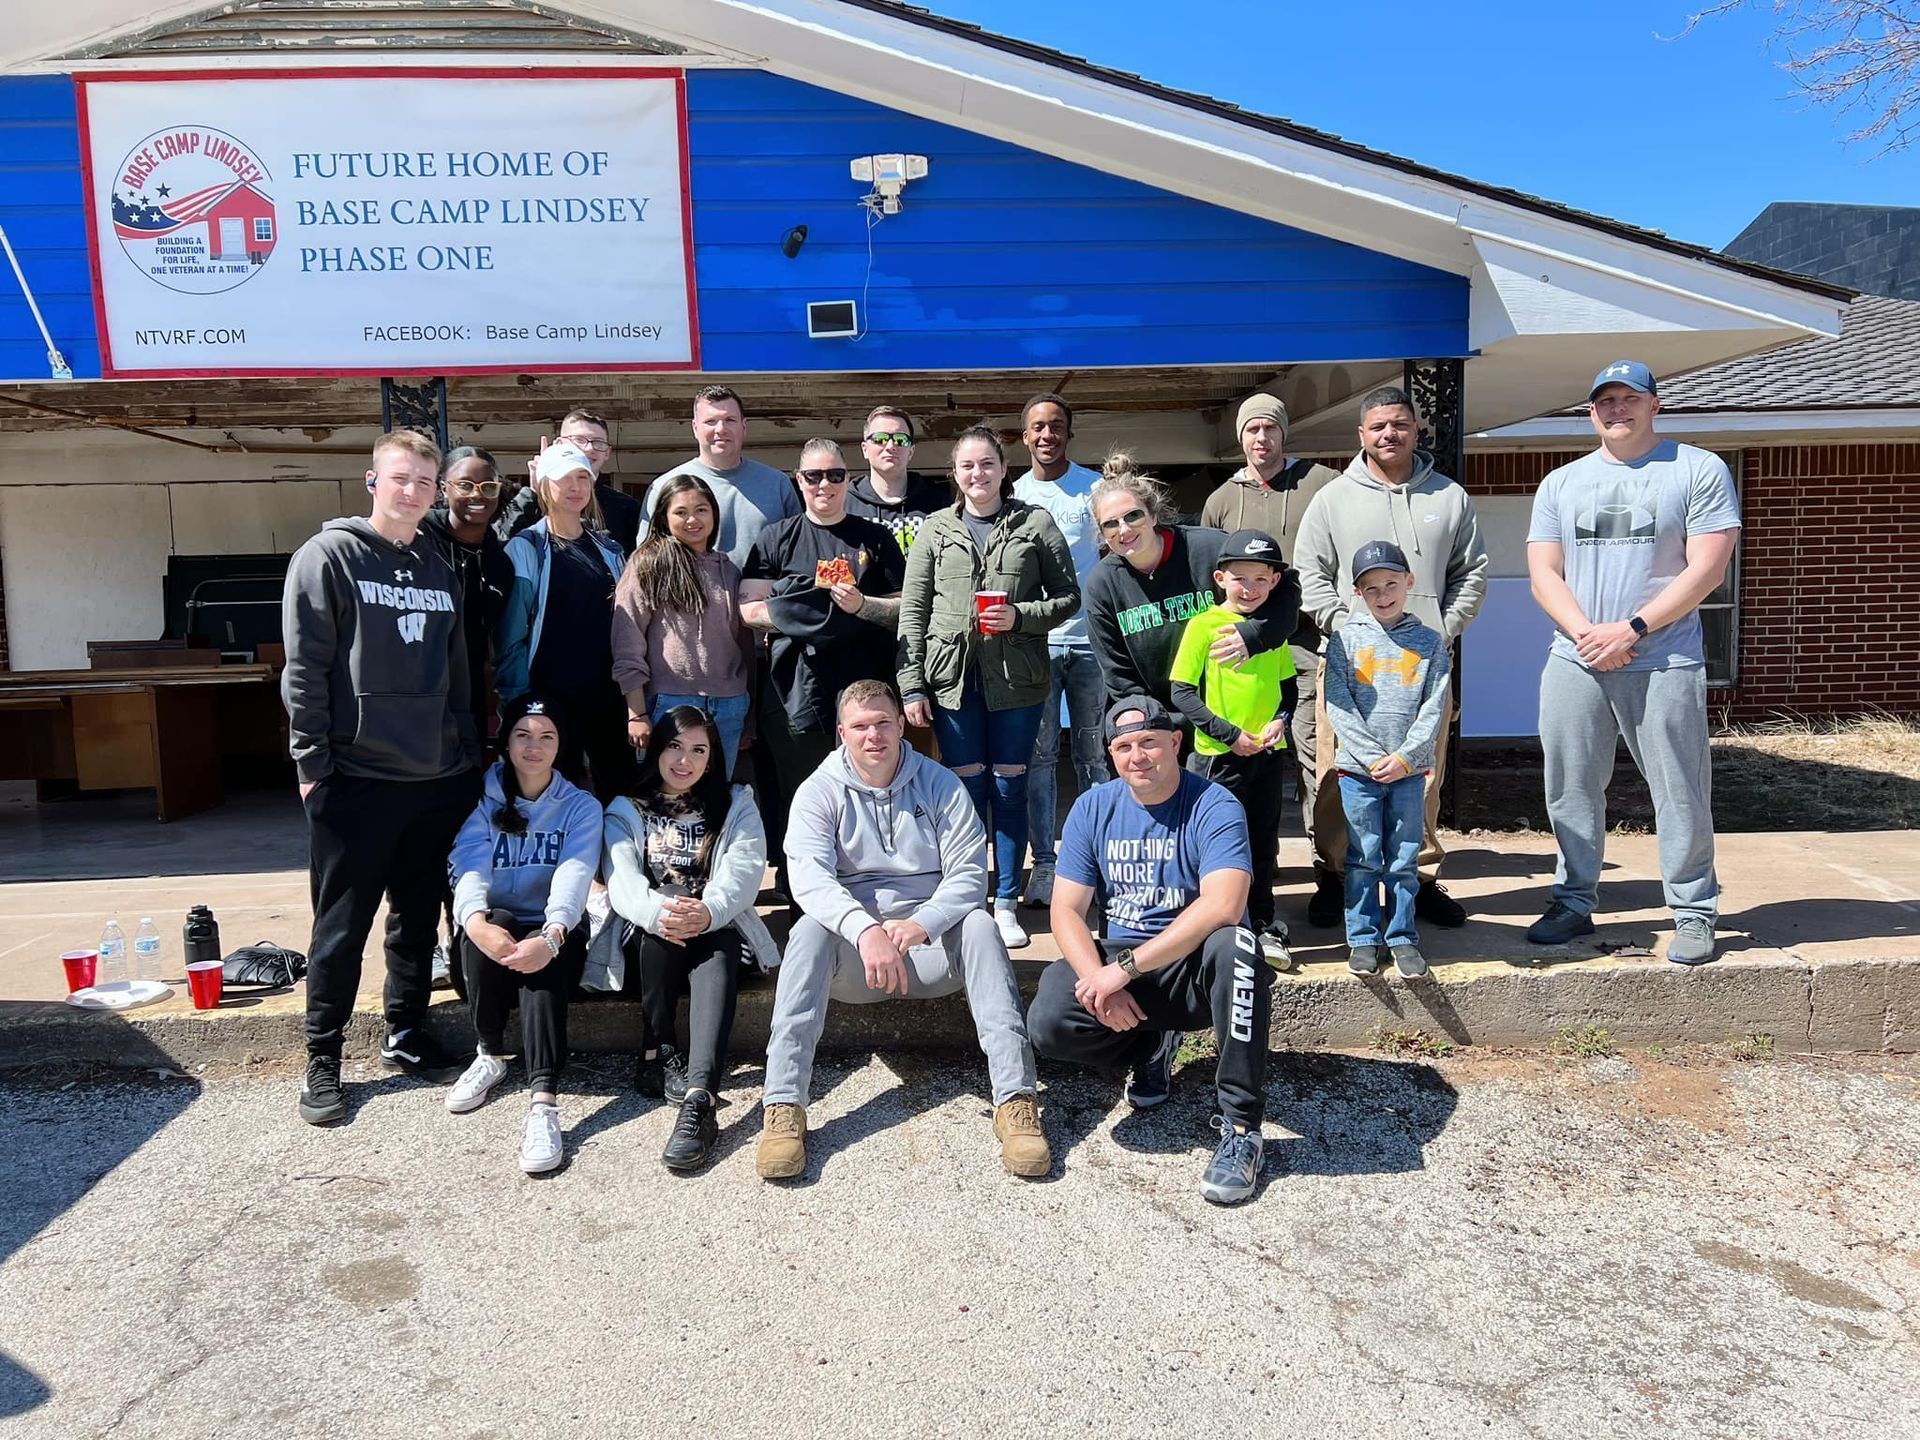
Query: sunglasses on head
point(467, 489)
point(823, 477)
point(1123, 522)
point(889, 437)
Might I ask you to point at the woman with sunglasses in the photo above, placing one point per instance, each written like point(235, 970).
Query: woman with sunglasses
point(684, 858)
point(556, 632)
point(1159, 574)
point(677, 637)
point(826, 585)
point(977, 672)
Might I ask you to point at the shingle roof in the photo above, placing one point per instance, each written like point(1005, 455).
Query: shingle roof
point(1873, 363)
point(1325, 140)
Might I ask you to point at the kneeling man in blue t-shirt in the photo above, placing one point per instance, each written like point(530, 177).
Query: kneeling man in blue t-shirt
point(1167, 854)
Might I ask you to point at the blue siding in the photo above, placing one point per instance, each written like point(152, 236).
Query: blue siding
point(40, 204)
point(1002, 258)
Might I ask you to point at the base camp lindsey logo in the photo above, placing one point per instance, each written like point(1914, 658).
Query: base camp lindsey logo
point(190, 212)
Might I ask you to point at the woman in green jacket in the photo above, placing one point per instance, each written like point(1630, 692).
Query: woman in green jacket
point(986, 580)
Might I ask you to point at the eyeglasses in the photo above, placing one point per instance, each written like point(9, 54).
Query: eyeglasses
point(592, 447)
point(1123, 522)
point(467, 489)
point(890, 438)
point(822, 477)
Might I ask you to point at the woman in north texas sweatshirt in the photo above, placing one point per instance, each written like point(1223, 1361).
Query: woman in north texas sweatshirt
point(1155, 577)
point(521, 867)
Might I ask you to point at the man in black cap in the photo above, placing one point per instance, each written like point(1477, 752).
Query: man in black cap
point(1166, 853)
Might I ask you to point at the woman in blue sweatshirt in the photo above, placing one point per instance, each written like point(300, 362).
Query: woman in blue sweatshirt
point(521, 866)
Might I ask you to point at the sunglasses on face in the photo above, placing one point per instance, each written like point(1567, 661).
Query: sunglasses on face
point(823, 477)
point(467, 489)
point(1123, 522)
point(886, 437)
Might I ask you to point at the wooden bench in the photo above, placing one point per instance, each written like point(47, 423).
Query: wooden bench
point(151, 727)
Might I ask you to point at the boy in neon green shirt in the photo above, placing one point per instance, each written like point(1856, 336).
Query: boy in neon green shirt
point(1240, 715)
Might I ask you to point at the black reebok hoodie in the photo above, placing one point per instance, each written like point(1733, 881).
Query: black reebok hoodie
point(376, 682)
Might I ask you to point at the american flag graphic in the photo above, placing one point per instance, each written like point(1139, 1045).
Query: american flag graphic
point(145, 217)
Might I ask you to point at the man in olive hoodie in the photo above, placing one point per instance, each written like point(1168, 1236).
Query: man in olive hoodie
point(383, 740)
point(1390, 492)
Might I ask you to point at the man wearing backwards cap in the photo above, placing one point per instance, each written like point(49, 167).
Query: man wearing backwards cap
point(1625, 543)
point(1166, 852)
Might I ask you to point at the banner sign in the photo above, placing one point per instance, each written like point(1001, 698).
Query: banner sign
point(367, 222)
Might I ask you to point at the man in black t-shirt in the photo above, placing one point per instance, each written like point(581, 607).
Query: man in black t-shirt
point(826, 586)
point(889, 492)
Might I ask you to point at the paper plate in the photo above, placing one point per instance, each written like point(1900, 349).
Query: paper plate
point(119, 997)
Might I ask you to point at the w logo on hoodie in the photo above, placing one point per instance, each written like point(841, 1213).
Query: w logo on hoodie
point(413, 628)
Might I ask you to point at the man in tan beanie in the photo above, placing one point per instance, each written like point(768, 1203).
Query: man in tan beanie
point(1271, 493)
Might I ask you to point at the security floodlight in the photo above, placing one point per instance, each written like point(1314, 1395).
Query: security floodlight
point(888, 174)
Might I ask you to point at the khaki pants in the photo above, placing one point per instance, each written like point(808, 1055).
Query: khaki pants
point(1330, 821)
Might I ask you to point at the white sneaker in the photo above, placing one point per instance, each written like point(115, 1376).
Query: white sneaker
point(540, 1147)
point(1007, 920)
point(1039, 887)
point(470, 1091)
point(442, 969)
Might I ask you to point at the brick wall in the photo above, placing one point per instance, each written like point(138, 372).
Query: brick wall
point(1828, 555)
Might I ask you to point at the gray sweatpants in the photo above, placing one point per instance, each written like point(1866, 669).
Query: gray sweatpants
point(820, 966)
point(1662, 715)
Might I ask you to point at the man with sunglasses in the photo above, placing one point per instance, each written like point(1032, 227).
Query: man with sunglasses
point(1058, 486)
point(889, 492)
point(588, 433)
point(825, 585)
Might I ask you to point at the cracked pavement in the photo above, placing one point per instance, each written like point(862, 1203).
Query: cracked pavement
point(1490, 1244)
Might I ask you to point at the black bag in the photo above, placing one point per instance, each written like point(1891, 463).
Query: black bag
point(263, 965)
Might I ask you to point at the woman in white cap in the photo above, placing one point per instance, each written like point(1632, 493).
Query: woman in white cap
point(556, 632)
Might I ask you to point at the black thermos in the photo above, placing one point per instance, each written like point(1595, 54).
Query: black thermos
point(202, 933)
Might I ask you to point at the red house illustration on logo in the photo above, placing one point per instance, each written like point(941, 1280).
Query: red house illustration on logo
point(240, 222)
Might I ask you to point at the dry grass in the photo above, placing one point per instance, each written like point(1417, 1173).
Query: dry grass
point(1790, 774)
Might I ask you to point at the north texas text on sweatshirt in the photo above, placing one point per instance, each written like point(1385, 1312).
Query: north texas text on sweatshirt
point(540, 875)
point(1136, 620)
point(1385, 689)
point(376, 682)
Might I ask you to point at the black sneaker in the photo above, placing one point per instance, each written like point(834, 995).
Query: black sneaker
point(416, 1053)
point(1328, 907)
point(321, 1100)
point(1433, 905)
point(1152, 1080)
point(1364, 959)
point(694, 1133)
point(1560, 924)
point(664, 1077)
point(1408, 960)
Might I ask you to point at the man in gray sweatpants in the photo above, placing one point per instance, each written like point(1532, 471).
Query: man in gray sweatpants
point(1625, 543)
point(888, 862)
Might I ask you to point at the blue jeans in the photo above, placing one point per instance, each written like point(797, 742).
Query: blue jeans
point(973, 735)
point(729, 712)
point(1077, 680)
point(1385, 825)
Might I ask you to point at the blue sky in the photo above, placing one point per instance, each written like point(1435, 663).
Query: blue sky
point(1587, 106)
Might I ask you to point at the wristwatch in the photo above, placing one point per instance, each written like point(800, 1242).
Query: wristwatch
point(1127, 963)
point(1638, 625)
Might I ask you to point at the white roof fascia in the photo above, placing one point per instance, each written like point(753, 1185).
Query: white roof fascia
point(463, 59)
point(1687, 425)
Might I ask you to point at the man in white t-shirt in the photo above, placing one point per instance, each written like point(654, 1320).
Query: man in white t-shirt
point(1625, 543)
point(1060, 487)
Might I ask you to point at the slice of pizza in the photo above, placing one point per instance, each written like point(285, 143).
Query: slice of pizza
point(829, 573)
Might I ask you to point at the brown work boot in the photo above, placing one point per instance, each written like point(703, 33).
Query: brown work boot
point(783, 1142)
point(1023, 1144)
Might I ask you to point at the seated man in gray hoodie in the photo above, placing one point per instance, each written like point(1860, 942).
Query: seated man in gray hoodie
point(888, 862)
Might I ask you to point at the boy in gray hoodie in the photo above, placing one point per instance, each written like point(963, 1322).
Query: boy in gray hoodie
point(1386, 688)
point(887, 857)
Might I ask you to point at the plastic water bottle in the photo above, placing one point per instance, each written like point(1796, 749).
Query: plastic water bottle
point(146, 950)
point(111, 972)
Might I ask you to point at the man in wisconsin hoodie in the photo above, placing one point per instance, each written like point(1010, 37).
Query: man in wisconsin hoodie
point(887, 857)
point(383, 740)
point(1389, 492)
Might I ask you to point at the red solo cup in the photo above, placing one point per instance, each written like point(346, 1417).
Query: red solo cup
point(81, 965)
point(984, 599)
point(203, 983)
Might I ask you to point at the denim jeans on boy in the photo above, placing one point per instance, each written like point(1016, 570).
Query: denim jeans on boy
point(1385, 824)
point(1076, 681)
point(975, 735)
point(729, 712)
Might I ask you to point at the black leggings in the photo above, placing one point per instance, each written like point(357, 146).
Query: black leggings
point(707, 970)
point(595, 753)
point(542, 997)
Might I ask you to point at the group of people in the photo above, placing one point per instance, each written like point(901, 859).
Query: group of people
point(886, 663)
